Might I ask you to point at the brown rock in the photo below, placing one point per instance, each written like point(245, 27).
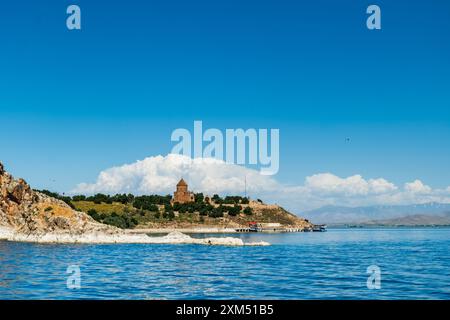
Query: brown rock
point(23, 209)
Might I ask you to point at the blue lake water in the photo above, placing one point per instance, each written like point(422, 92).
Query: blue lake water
point(414, 263)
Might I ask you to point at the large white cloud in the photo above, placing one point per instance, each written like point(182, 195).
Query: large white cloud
point(160, 174)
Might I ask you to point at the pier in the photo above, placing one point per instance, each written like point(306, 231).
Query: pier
point(277, 228)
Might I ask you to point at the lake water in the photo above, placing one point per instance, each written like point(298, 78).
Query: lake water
point(414, 264)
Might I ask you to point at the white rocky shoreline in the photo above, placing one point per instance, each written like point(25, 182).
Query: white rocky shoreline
point(175, 237)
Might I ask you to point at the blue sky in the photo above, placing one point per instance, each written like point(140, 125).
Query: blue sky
point(73, 103)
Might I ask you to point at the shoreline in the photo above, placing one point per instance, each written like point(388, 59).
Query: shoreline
point(192, 230)
point(207, 230)
point(174, 237)
point(219, 230)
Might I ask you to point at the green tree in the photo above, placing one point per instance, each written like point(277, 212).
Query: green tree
point(199, 197)
point(217, 199)
point(79, 198)
point(235, 210)
point(94, 215)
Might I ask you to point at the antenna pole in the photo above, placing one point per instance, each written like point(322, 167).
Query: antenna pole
point(245, 183)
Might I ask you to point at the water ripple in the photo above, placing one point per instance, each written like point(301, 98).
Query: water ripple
point(415, 264)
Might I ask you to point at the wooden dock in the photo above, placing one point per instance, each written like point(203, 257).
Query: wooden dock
point(270, 230)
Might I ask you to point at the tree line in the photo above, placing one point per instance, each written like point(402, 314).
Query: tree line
point(232, 205)
point(144, 202)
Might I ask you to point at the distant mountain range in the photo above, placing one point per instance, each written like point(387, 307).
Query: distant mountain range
point(417, 214)
point(413, 220)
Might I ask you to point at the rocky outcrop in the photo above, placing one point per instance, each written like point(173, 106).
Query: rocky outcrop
point(27, 211)
point(27, 215)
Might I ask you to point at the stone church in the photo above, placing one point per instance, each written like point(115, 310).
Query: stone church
point(183, 195)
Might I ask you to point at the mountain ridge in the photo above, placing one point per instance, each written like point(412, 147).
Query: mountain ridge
point(367, 214)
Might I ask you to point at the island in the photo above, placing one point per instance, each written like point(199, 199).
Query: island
point(44, 216)
point(187, 212)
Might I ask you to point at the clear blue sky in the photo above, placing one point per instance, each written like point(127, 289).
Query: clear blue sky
point(73, 103)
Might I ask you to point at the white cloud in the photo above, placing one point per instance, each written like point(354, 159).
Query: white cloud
point(417, 186)
point(327, 183)
point(159, 174)
point(381, 186)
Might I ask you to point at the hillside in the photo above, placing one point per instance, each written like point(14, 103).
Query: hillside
point(163, 217)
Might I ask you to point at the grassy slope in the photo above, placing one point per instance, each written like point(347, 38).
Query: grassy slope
point(147, 219)
point(103, 207)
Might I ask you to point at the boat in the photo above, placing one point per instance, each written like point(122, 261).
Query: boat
point(254, 227)
point(319, 228)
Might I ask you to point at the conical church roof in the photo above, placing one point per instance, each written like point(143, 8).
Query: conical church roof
point(182, 183)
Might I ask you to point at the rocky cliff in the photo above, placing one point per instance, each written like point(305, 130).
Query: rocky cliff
point(28, 211)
